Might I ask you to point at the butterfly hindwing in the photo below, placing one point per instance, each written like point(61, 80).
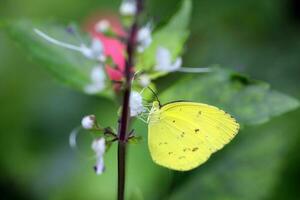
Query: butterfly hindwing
point(174, 147)
point(187, 133)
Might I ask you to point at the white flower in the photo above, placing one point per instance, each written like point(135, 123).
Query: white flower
point(97, 74)
point(164, 61)
point(144, 38)
point(95, 51)
point(98, 147)
point(93, 88)
point(102, 26)
point(136, 104)
point(97, 81)
point(128, 7)
point(88, 122)
point(99, 167)
point(144, 80)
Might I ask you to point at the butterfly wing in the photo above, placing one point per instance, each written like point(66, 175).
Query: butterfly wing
point(185, 134)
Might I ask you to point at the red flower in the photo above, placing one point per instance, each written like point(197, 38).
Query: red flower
point(113, 47)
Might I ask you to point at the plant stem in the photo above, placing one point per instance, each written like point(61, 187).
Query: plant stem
point(123, 126)
point(121, 169)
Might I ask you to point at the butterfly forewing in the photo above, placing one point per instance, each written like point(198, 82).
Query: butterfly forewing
point(187, 133)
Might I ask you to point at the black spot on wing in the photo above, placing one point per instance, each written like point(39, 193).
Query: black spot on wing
point(182, 134)
point(186, 149)
point(199, 113)
point(195, 149)
point(161, 143)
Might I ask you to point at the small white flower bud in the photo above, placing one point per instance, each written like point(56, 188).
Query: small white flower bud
point(87, 52)
point(93, 88)
point(164, 61)
point(144, 38)
point(98, 147)
point(97, 81)
point(99, 167)
point(97, 74)
point(102, 26)
point(144, 80)
point(136, 104)
point(95, 51)
point(128, 7)
point(97, 48)
point(88, 122)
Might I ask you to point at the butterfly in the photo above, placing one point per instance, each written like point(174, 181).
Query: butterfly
point(183, 135)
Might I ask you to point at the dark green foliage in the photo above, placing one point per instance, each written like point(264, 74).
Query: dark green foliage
point(251, 102)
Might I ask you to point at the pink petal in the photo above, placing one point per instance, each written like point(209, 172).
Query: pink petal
point(114, 74)
point(112, 47)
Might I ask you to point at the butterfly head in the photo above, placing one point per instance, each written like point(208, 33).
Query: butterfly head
point(154, 111)
point(156, 105)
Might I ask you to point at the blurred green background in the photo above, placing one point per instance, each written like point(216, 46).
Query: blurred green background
point(256, 37)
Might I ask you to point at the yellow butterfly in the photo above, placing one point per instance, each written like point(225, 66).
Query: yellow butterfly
point(183, 135)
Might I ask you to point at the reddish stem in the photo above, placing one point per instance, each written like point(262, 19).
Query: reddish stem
point(124, 120)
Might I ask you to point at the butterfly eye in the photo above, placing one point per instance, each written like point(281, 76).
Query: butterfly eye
point(155, 105)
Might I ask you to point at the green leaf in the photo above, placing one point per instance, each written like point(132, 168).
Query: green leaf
point(171, 36)
point(248, 168)
point(69, 67)
point(251, 102)
point(135, 140)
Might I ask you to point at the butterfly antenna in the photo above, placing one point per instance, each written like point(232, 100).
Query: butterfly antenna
point(154, 95)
